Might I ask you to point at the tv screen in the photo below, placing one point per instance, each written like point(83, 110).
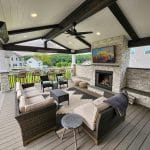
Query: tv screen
point(103, 55)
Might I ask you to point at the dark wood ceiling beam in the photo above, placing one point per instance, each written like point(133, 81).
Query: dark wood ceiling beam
point(27, 40)
point(12, 47)
point(85, 10)
point(141, 42)
point(115, 9)
point(32, 29)
point(86, 50)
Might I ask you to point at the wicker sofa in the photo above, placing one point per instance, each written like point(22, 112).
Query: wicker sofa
point(106, 119)
point(35, 120)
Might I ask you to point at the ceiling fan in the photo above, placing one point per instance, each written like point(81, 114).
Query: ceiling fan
point(72, 31)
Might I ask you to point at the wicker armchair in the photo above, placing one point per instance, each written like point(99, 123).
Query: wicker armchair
point(35, 123)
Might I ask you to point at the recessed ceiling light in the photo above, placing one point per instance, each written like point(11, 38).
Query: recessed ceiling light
point(24, 36)
point(33, 15)
point(98, 33)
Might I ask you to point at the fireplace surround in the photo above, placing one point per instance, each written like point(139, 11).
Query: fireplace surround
point(104, 79)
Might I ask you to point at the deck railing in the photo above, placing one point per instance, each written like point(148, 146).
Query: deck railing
point(30, 78)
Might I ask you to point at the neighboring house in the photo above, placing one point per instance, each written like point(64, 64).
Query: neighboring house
point(14, 60)
point(140, 57)
point(34, 63)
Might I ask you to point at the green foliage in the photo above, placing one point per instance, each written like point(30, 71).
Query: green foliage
point(44, 58)
point(59, 60)
point(82, 58)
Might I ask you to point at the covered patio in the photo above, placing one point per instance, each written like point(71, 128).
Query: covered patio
point(106, 29)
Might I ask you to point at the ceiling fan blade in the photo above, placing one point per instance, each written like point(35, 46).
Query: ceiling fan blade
point(88, 32)
point(80, 36)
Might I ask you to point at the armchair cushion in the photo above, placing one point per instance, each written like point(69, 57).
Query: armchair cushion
point(60, 78)
point(30, 89)
point(32, 93)
point(100, 104)
point(47, 82)
point(35, 99)
point(38, 105)
point(22, 104)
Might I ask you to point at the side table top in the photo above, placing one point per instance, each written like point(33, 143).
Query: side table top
point(71, 121)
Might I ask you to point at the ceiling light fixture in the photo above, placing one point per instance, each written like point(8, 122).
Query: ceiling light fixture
point(98, 33)
point(24, 36)
point(33, 15)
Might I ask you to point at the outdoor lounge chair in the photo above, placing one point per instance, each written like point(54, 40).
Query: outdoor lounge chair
point(45, 82)
point(60, 79)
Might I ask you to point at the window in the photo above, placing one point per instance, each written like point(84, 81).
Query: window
point(132, 51)
point(147, 50)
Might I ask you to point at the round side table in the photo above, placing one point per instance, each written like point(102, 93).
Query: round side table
point(71, 121)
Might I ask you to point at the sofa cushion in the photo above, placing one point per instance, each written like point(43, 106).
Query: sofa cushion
point(89, 117)
point(36, 106)
point(35, 99)
point(100, 104)
point(32, 93)
point(22, 104)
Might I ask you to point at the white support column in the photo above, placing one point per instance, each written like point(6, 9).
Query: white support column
point(73, 64)
point(73, 59)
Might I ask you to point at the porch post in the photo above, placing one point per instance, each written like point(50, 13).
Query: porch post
point(73, 64)
point(4, 82)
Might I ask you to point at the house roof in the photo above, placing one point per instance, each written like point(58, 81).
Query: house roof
point(35, 58)
point(116, 17)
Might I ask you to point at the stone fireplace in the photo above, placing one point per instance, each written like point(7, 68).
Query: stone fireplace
point(108, 76)
point(104, 79)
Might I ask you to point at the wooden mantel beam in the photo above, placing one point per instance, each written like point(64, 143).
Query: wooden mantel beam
point(12, 47)
point(85, 10)
point(115, 9)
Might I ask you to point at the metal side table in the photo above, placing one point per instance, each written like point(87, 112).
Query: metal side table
point(73, 122)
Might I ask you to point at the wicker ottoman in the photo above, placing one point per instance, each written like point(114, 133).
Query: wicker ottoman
point(76, 82)
point(83, 84)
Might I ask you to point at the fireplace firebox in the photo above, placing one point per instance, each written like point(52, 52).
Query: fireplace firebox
point(104, 79)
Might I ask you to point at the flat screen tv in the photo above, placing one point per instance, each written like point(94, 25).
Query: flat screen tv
point(103, 55)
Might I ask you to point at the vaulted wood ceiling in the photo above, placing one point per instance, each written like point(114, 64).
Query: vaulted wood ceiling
point(131, 20)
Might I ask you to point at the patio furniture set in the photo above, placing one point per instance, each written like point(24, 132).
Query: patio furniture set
point(36, 113)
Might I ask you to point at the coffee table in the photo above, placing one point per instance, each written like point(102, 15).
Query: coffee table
point(73, 122)
point(59, 95)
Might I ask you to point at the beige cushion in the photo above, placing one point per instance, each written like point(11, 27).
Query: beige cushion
point(30, 89)
point(100, 104)
point(32, 93)
point(38, 105)
point(35, 99)
point(22, 104)
point(83, 84)
point(19, 93)
point(76, 82)
point(89, 113)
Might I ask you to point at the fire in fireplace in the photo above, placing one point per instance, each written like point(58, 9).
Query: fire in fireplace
point(104, 79)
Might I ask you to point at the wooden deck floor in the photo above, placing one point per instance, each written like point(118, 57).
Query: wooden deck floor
point(132, 134)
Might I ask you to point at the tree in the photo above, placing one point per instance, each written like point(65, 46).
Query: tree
point(46, 59)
